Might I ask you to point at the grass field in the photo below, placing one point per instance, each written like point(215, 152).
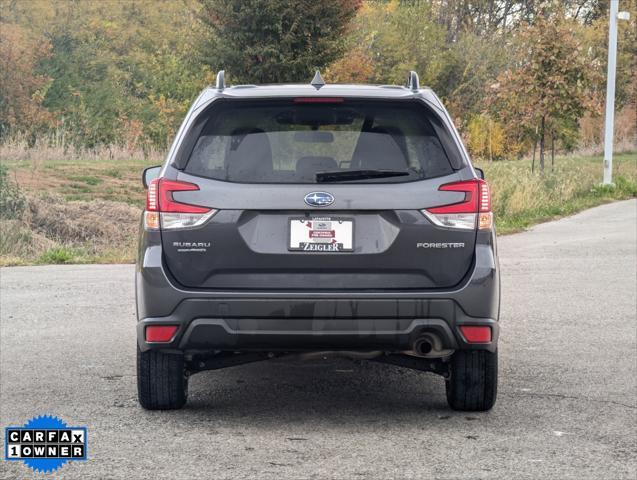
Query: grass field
point(522, 198)
point(87, 210)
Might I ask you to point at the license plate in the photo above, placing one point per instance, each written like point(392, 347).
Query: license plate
point(321, 234)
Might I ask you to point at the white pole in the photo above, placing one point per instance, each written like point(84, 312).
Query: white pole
point(610, 93)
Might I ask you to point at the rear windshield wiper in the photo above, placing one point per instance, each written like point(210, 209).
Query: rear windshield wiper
point(345, 175)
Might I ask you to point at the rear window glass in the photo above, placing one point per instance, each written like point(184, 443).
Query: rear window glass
point(286, 141)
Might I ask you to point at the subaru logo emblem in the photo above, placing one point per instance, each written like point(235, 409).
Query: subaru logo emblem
point(319, 199)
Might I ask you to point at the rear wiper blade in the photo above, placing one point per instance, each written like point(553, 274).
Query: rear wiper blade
point(345, 175)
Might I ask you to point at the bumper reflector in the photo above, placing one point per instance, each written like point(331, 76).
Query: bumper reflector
point(160, 333)
point(476, 333)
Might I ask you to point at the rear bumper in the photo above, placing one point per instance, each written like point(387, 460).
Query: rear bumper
point(311, 320)
point(311, 324)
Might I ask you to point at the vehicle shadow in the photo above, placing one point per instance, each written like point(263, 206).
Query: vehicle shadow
point(342, 391)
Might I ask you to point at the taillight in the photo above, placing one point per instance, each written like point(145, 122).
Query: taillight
point(474, 210)
point(163, 210)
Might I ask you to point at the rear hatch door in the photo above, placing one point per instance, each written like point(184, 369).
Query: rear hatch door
point(286, 217)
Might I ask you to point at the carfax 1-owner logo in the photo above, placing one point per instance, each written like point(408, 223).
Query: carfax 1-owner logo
point(45, 443)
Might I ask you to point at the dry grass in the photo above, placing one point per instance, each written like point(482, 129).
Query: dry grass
point(80, 176)
point(82, 205)
point(53, 230)
point(92, 225)
point(522, 198)
point(55, 149)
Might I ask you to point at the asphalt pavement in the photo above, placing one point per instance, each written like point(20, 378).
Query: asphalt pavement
point(567, 405)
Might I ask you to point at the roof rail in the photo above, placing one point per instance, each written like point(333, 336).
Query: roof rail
point(412, 82)
point(221, 79)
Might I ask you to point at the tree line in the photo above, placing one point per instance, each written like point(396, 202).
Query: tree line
point(516, 75)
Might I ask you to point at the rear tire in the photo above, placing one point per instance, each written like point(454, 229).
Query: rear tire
point(473, 383)
point(161, 380)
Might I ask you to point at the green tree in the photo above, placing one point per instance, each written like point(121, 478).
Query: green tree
point(118, 72)
point(400, 38)
point(263, 41)
point(388, 39)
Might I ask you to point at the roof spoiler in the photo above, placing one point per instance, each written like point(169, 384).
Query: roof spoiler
point(412, 81)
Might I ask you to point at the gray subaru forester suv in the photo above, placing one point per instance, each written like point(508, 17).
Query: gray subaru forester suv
point(315, 220)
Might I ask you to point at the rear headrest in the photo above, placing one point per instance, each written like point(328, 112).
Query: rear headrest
point(306, 167)
point(250, 156)
point(397, 134)
point(377, 150)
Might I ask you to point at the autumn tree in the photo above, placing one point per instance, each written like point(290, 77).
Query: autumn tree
point(547, 90)
point(354, 67)
point(270, 41)
point(22, 89)
point(485, 138)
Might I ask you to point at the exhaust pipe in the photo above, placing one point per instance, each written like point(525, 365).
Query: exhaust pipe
point(422, 346)
point(429, 345)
